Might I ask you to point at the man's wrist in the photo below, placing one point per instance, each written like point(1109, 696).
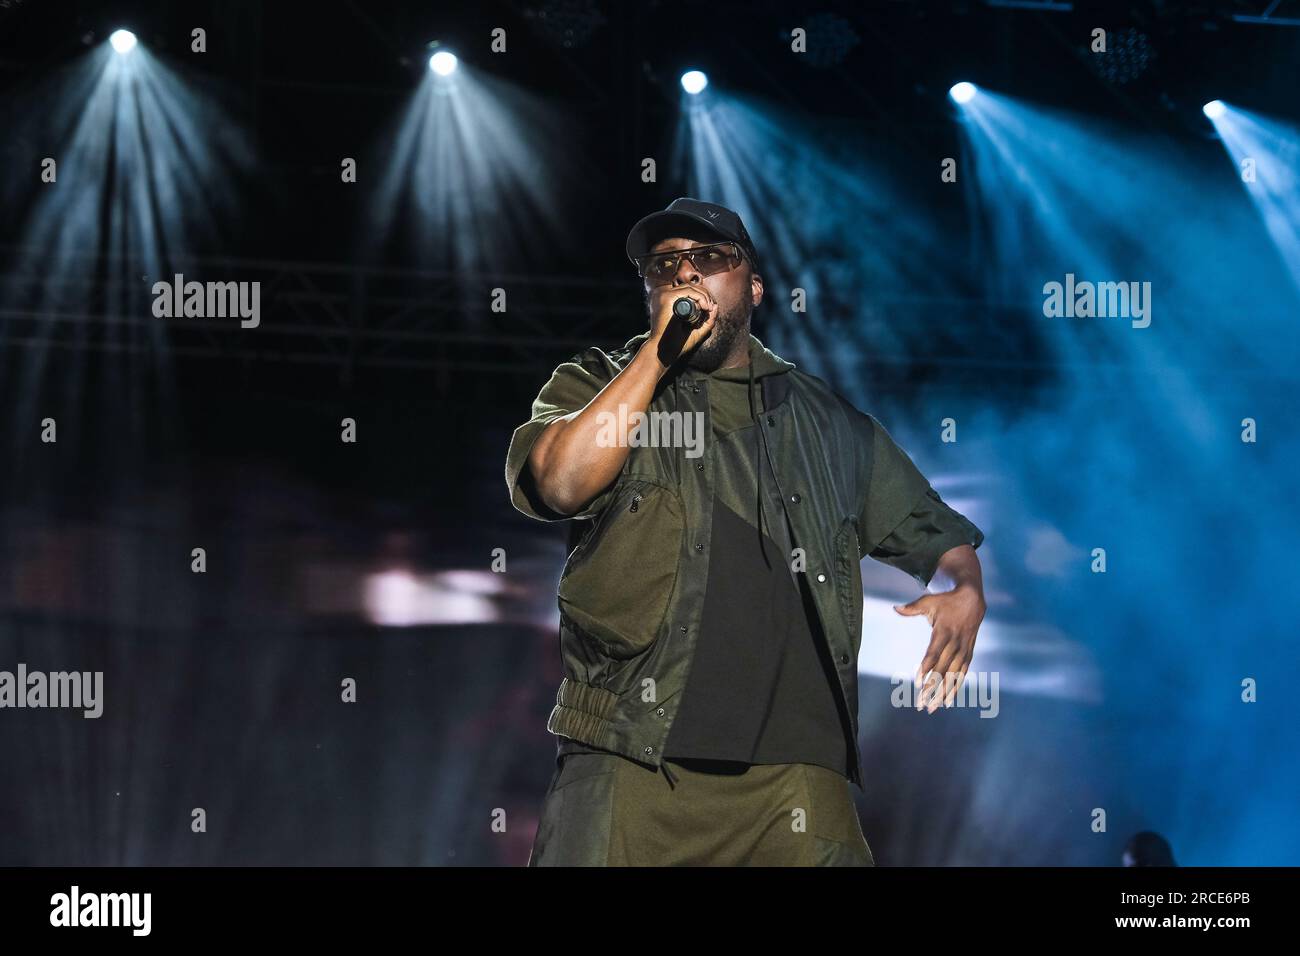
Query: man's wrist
point(649, 354)
point(959, 567)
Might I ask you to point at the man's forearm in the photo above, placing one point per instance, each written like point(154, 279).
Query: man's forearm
point(569, 465)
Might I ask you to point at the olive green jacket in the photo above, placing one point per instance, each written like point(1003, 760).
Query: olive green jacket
point(632, 590)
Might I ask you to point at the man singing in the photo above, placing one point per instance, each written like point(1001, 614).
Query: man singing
point(711, 610)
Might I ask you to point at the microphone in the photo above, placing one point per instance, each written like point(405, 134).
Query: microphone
point(689, 310)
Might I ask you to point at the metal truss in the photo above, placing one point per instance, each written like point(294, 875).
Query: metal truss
point(348, 316)
point(1267, 17)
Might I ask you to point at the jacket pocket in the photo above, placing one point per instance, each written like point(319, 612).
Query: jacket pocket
point(618, 581)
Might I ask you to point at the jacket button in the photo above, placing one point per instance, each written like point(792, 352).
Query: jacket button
point(771, 419)
point(683, 628)
point(649, 751)
point(699, 466)
point(795, 498)
point(659, 712)
point(844, 658)
point(699, 547)
point(821, 579)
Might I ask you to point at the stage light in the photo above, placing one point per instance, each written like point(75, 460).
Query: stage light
point(158, 161)
point(693, 81)
point(123, 41)
point(443, 63)
point(469, 151)
point(1267, 147)
point(963, 92)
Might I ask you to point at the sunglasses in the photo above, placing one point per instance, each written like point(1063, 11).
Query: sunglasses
point(660, 268)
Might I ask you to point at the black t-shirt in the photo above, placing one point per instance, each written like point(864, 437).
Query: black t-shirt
point(760, 688)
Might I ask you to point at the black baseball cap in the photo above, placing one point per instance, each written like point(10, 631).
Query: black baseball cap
point(684, 213)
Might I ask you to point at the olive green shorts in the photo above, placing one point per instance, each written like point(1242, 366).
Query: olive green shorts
point(606, 810)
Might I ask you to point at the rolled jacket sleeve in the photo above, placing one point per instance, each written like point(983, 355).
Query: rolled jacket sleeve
point(571, 386)
point(907, 524)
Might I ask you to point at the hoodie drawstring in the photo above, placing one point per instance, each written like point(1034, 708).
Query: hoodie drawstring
point(767, 455)
point(672, 781)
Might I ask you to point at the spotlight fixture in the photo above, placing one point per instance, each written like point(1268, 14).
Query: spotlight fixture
point(1214, 109)
point(693, 82)
point(123, 41)
point(443, 63)
point(963, 92)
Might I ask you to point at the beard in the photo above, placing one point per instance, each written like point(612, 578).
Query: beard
point(731, 326)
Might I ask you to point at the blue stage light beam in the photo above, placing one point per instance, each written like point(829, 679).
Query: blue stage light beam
point(828, 218)
point(1266, 154)
point(469, 177)
point(147, 170)
point(1053, 193)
